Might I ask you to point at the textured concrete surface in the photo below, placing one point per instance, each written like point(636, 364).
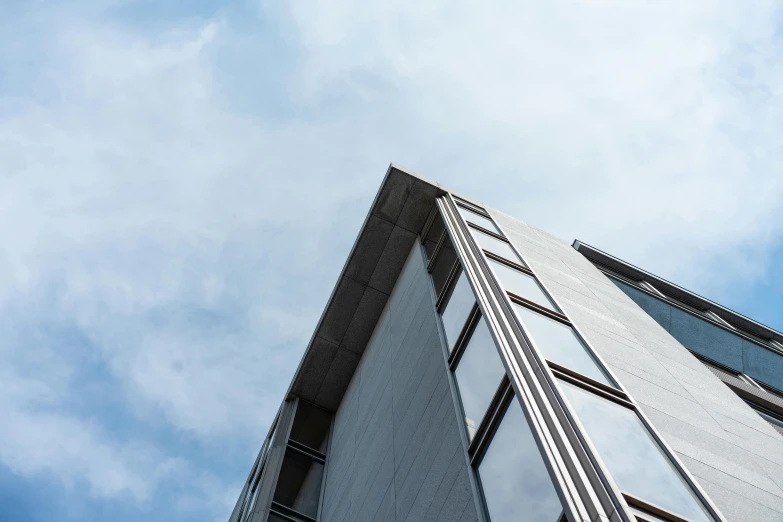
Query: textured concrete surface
point(731, 451)
point(396, 454)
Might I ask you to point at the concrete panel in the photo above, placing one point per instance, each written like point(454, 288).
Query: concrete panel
point(397, 427)
point(369, 248)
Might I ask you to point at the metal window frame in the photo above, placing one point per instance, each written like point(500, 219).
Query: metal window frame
point(618, 498)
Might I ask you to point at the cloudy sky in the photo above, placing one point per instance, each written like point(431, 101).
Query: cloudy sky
point(180, 183)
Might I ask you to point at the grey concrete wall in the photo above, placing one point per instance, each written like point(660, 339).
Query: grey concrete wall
point(711, 340)
point(396, 454)
point(733, 453)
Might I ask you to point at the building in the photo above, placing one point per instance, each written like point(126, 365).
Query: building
point(469, 367)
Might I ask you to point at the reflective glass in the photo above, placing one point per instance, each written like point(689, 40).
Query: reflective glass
point(311, 426)
point(457, 309)
point(299, 484)
point(478, 374)
point(513, 475)
point(496, 246)
point(631, 455)
point(521, 284)
point(478, 219)
point(560, 344)
point(433, 235)
point(443, 265)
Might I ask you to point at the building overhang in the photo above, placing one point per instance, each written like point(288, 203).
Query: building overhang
point(398, 213)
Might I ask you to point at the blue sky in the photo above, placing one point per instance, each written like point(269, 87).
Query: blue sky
point(180, 183)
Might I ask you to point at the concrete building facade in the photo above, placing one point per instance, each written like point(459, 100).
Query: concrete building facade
point(469, 367)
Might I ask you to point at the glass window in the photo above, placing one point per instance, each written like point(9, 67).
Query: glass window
point(495, 245)
point(521, 284)
point(560, 344)
point(275, 518)
point(457, 310)
point(299, 484)
point(478, 375)
point(443, 265)
point(478, 219)
point(513, 475)
point(433, 235)
point(631, 455)
point(311, 426)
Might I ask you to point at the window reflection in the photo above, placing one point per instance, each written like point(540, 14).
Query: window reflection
point(478, 375)
point(457, 310)
point(560, 344)
point(513, 476)
point(495, 245)
point(521, 284)
point(478, 219)
point(631, 455)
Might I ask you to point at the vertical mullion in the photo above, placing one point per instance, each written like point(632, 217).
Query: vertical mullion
point(579, 497)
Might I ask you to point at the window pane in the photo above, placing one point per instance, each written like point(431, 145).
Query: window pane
point(513, 475)
point(478, 374)
point(496, 246)
point(433, 235)
point(521, 284)
point(457, 309)
point(631, 455)
point(478, 219)
point(443, 265)
point(560, 344)
point(275, 518)
point(311, 426)
point(299, 484)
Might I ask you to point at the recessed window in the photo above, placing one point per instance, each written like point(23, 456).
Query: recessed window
point(455, 313)
point(631, 455)
point(311, 426)
point(514, 479)
point(477, 219)
point(479, 373)
point(299, 484)
point(560, 344)
point(521, 284)
point(433, 235)
point(444, 262)
point(495, 245)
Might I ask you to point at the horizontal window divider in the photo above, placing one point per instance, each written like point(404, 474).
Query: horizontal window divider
point(470, 206)
point(653, 509)
point(464, 337)
point(488, 232)
point(591, 386)
point(517, 266)
point(435, 252)
point(447, 287)
point(491, 419)
point(289, 514)
point(306, 451)
point(576, 375)
point(540, 309)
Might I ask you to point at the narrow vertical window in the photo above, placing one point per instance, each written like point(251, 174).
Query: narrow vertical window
point(560, 344)
point(520, 284)
point(495, 246)
point(514, 479)
point(478, 219)
point(632, 456)
point(479, 374)
point(457, 309)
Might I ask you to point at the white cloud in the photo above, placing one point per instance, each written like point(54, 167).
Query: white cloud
point(184, 199)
